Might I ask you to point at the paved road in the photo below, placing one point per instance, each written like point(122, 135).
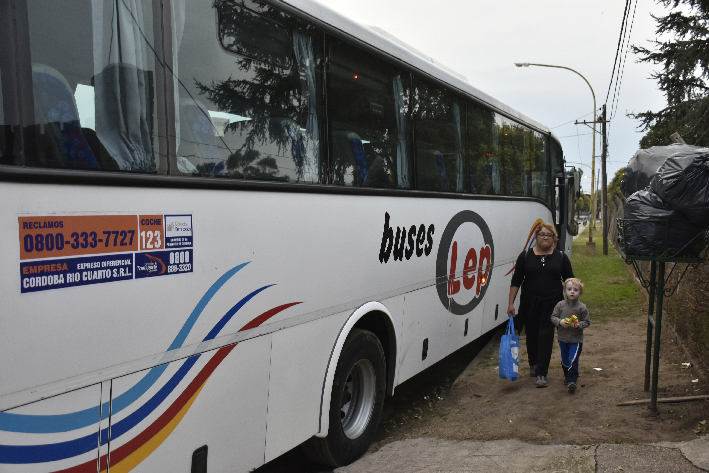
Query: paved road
point(429, 455)
point(582, 227)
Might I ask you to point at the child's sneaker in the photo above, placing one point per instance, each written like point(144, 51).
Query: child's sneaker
point(542, 382)
point(566, 383)
point(572, 386)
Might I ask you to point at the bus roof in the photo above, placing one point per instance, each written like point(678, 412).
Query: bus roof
point(394, 47)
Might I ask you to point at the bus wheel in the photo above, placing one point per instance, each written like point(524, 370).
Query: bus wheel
point(356, 403)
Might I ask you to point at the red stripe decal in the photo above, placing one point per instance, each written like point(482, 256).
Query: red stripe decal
point(267, 315)
point(125, 450)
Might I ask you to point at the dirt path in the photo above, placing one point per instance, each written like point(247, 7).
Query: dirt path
point(481, 406)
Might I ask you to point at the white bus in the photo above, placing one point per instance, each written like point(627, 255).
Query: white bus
point(228, 228)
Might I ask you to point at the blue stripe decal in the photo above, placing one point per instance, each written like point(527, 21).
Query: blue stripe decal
point(217, 328)
point(182, 335)
point(43, 424)
point(62, 450)
point(20, 454)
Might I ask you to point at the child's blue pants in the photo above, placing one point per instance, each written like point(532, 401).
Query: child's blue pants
point(570, 353)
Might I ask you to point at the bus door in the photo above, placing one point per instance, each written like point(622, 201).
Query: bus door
point(571, 193)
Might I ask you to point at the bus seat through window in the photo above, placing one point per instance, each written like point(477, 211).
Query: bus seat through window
point(56, 114)
point(198, 139)
point(432, 173)
point(348, 151)
point(296, 141)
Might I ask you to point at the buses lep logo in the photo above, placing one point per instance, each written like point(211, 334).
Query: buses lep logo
point(465, 260)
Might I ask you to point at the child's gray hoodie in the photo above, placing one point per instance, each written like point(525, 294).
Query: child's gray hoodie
point(565, 309)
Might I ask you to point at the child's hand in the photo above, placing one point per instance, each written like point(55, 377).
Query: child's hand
point(575, 325)
point(563, 323)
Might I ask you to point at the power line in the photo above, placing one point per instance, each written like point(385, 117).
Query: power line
point(571, 121)
point(617, 49)
point(577, 134)
point(702, 136)
point(697, 123)
point(620, 60)
point(616, 93)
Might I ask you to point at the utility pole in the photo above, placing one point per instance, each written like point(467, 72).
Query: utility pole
point(590, 246)
point(595, 200)
point(604, 181)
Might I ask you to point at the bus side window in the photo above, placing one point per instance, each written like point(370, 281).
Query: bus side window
point(481, 149)
point(248, 92)
point(537, 159)
point(350, 159)
point(512, 158)
point(557, 163)
point(5, 130)
point(93, 88)
point(439, 119)
point(368, 106)
point(56, 114)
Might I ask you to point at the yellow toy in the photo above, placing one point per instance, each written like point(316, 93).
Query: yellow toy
point(573, 320)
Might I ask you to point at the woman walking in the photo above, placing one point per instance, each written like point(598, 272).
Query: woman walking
point(540, 272)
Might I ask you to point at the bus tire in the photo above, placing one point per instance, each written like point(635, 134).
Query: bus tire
point(356, 404)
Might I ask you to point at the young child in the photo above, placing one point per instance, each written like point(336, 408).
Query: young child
point(571, 334)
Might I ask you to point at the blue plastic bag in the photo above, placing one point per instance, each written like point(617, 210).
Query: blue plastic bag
point(509, 353)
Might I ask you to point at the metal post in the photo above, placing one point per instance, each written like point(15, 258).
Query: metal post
point(598, 178)
point(658, 336)
point(594, 183)
point(604, 181)
point(650, 324)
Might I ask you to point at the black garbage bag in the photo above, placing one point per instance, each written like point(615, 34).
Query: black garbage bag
point(643, 166)
point(659, 230)
point(682, 182)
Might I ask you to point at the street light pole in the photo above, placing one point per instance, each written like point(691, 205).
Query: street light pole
point(593, 151)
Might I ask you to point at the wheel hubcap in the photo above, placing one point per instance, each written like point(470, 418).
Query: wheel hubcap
point(358, 399)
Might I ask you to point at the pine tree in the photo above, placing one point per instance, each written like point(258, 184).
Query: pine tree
point(684, 57)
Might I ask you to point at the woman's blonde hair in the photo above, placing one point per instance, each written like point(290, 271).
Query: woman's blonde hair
point(574, 281)
point(550, 227)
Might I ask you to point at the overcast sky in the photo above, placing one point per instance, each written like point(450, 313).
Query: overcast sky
point(483, 39)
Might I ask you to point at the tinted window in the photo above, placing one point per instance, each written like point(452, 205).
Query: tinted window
point(5, 131)
point(439, 139)
point(512, 158)
point(555, 153)
point(245, 32)
point(482, 150)
point(93, 83)
point(368, 104)
point(536, 165)
point(557, 158)
point(253, 116)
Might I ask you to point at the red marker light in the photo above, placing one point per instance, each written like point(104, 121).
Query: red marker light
point(356, 76)
point(483, 280)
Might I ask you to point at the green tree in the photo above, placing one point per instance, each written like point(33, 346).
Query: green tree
point(614, 186)
point(583, 204)
point(684, 57)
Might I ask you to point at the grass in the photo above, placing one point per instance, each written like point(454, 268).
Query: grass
point(609, 291)
point(489, 361)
